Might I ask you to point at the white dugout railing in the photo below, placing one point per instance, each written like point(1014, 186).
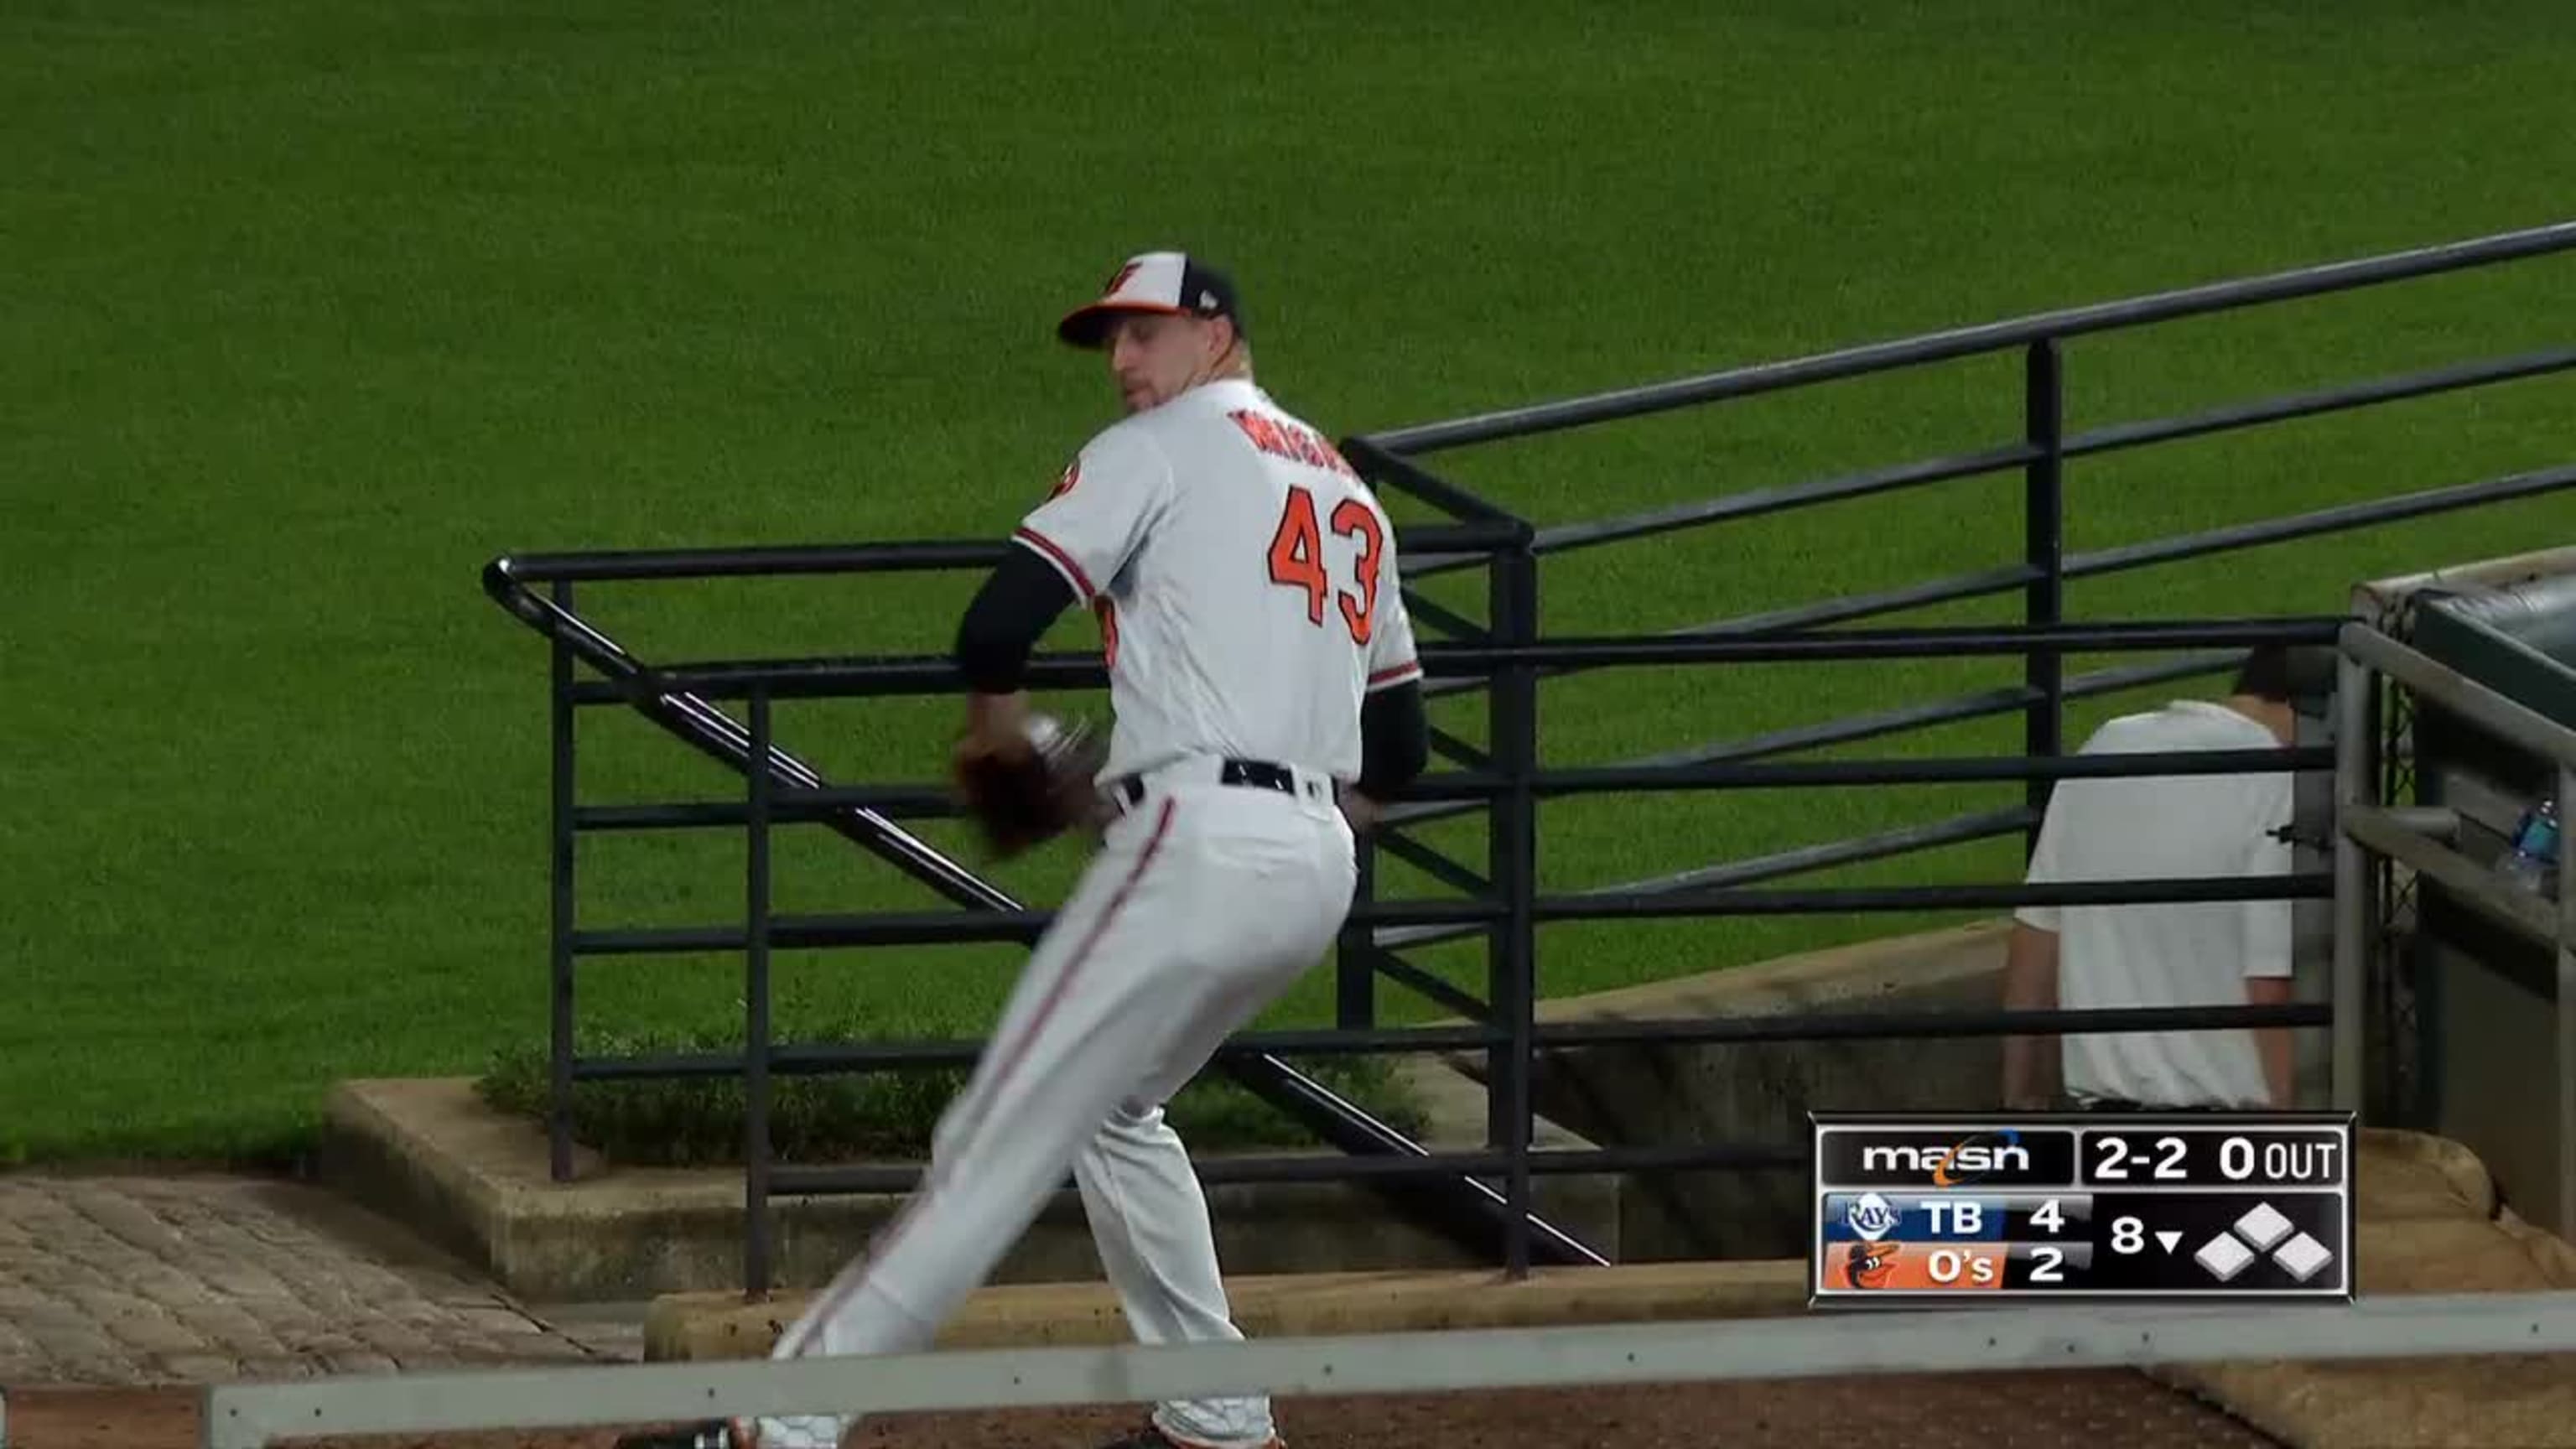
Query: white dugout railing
point(248, 1416)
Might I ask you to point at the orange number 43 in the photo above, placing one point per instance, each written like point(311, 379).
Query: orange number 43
point(1297, 559)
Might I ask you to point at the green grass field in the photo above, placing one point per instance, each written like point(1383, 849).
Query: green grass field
point(310, 309)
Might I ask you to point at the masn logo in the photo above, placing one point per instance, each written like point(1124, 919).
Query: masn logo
point(1956, 1165)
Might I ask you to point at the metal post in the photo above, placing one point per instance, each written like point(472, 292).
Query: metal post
point(559, 945)
point(2566, 1007)
point(2044, 549)
point(1513, 987)
point(2353, 917)
point(1354, 963)
point(755, 996)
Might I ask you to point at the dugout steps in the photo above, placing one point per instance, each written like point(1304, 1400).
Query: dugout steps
point(429, 1152)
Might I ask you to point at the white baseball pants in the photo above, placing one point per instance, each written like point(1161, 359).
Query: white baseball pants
point(1203, 904)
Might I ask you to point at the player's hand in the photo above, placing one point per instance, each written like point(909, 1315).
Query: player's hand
point(997, 727)
point(1362, 812)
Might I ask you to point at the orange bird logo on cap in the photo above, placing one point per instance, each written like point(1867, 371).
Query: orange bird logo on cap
point(1870, 1264)
point(1120, 279)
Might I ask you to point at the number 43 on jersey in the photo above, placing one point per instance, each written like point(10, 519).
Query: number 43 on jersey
point(1297, 559)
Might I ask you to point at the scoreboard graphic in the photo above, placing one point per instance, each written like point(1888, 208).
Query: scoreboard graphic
point(1911, 1208)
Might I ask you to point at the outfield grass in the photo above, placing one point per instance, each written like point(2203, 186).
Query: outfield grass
point(312, 308)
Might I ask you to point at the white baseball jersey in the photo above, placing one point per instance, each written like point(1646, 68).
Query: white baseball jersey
point(1244, 578)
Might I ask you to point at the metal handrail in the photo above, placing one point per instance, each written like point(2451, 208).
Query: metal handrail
point(1511, 650)
point(1960, 342)
point(2366, 828)
point(842, 677)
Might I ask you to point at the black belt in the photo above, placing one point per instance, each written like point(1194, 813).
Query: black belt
point(1257, 774)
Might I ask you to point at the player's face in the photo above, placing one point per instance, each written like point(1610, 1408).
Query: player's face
point(1156, 358)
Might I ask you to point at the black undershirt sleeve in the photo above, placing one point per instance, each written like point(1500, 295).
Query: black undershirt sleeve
point(1395, 740)
point(1019, 602)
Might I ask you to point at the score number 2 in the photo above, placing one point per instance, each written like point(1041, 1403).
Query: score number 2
point(1297, 559)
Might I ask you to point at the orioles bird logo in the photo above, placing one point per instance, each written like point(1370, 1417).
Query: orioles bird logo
point(1869, 1265)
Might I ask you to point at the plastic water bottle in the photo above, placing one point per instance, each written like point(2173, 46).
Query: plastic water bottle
point(2530, 861)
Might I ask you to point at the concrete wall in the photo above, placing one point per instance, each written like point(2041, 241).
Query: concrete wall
point(431, 1154)
point(1761, 1093)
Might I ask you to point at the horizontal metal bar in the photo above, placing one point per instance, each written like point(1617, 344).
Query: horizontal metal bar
point(1475, 536)
point(1565, 538)
point(2520, 726)
point(1883, 724)
point(792, 933)
point(838, 678)
point(1735, 775)
point(2379, 832)
point(1333, 1168)
point(1983, 583)
point(849, 677)
point(2324, 400)
point(2121, 677)
point(825, 1059)
point(1948, 897)
point(905, 802)
point(1847, 729)
point(1928, 1025)
point(1884, 845)
point(923, 928)
point(1415, 441)
point(2324, 520)
point(1839, 1346)
point(1980, 584)
point(833, 1058)
point(1802, 773)
point(760, 560)
point(674, 816)
point(931, 928)
point(1853, 645)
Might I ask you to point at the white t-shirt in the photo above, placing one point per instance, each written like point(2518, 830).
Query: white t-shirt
point(1244, 578)
point(2167, 954)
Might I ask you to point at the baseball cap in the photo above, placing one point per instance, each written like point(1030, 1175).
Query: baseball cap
point(1172, 284)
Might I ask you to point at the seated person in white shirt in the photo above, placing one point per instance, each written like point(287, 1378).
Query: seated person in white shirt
point(2215, 953)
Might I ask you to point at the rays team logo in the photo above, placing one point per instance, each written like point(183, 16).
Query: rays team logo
point(1870, 1217)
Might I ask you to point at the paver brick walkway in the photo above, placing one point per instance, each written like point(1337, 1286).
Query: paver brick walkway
point(200, 1279)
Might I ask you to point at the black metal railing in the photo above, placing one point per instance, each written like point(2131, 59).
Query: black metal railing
point(1505, 658)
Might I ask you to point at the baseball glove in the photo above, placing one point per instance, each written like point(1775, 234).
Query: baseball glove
point(1024, 798)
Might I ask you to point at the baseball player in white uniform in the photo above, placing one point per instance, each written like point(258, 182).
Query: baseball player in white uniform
point(1267, 701)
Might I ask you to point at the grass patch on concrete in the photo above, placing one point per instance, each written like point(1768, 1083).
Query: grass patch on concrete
point(876, 1116)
